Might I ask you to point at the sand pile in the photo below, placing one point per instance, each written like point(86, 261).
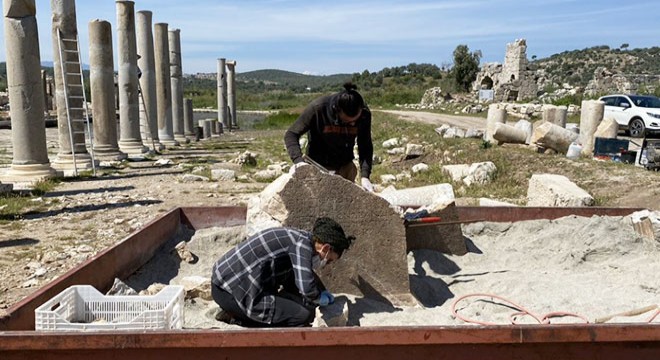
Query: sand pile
point(589, 266)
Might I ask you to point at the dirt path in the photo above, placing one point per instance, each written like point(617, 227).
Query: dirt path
point(465, 122)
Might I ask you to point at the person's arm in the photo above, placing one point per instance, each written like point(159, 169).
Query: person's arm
point(297, 129)
point(301, 254)
point(365, 145)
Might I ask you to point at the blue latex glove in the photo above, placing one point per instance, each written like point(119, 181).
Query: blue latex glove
point(326, 298)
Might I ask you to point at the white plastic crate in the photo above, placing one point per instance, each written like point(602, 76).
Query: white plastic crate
point(83, 308)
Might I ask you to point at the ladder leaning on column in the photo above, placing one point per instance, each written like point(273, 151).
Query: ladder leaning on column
point(146, 129)
point(71, 65)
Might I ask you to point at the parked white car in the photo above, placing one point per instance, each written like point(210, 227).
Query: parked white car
point(638, 114)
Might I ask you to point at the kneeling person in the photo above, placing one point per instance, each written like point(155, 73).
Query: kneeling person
point(268, 280)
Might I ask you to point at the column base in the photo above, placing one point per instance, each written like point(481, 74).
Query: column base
point(134, 150)
point(154, 145)
point(110, 154)
point(181, 139)
point(64, 164)
point(25, 177)
point(169, 142)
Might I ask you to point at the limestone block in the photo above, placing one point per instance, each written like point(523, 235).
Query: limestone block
point(223, 174)
point(266, 175)
point(387, 178)
point(608, 129)
point(414, 150)
point(480, 173)
point(420, 168)
point(420, 196)
point(391, 143)
point(491, 202)
point(396, 151)
point(504, 133)
point(474, 134)
point(647, 224)
point(556, 190)
point(457, 172)
point(442, 129)
point(554, 137)
point(19, 8)
point(526, 127)
point(376, 265)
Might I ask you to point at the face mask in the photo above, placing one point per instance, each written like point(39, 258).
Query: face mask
point(317, 263)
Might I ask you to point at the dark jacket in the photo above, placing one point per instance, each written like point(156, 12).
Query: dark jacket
point(330, 141)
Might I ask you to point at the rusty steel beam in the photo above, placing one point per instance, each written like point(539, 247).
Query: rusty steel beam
point(513, 213)
point(206, 217)
point(603, 342)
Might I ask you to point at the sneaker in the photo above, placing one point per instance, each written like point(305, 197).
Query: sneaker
point(224, 316)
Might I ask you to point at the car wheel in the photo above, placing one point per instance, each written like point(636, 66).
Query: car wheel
point(637, 128)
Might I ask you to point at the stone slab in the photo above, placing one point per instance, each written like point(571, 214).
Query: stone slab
point(376, 265)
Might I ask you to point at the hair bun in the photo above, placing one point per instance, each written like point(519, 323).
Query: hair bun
point(350, 86)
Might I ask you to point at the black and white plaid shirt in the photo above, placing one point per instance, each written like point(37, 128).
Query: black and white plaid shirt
point(253, 271)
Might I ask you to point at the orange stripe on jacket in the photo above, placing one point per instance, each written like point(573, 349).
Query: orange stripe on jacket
point(344, 130)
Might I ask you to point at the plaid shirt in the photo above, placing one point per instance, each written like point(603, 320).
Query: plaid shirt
point(253, 271)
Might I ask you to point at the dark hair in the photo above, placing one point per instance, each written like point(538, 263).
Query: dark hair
point(328, 231)
point(349, 101)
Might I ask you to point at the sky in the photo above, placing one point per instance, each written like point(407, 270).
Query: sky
point(342, 36)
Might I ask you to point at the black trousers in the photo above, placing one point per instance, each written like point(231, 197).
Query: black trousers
point(289, 310)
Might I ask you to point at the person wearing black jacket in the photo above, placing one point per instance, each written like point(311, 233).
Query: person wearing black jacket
point(334, 122)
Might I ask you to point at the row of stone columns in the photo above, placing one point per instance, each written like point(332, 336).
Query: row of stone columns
point(160, 82)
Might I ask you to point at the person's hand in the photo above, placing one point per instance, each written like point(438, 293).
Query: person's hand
point(296, 166)
point(366, 184)
point(326, 298)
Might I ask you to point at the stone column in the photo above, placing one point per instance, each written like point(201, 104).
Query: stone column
point(64, 23)
point(188, 117)
point(147, 64)
point(496, 114)
point(231, 92)
point(176, 78)
point(130, 139)
point(102, 82)
point(555, 114)
point(163, 85)
point(590, 117)
point(44, 83)
point(30, 162)
point(223, 115)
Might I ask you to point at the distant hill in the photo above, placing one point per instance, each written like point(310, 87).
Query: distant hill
point(293, 81)
point(577, 67)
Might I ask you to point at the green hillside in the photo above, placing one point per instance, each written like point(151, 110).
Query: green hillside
point(577, 67)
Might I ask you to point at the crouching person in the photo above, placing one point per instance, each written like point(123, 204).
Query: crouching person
point(268, 280)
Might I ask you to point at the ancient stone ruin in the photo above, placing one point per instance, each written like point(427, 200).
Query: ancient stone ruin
point(512, 81)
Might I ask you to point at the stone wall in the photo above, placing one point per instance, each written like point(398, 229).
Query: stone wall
point(512, 81)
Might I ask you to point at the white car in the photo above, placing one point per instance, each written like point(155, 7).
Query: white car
point(639, 114)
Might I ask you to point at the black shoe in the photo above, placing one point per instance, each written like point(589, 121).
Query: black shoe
point(224, 316)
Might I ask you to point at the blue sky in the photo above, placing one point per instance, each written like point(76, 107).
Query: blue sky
point(341, 36)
